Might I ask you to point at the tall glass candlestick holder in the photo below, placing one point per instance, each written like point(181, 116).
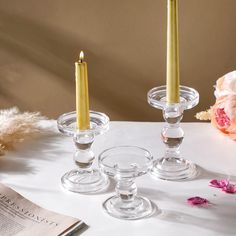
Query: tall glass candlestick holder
point(84, 179)
point(172, 166)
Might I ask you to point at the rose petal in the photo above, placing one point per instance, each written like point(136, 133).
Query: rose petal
point(223, 115)
point(197, 201)
point(230, 188)
point(221, 118)
point(219, 183)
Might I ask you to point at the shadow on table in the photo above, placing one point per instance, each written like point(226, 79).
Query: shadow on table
point(206, 174)
point(33, 189)
point(16, 166)
point(222, 215)
point(46, 148)
point(222, 218)
point(222, 224)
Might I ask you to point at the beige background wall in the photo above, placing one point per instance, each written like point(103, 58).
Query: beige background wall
point(125, 46)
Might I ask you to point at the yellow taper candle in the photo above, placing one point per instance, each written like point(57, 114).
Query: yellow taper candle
point(82, 96)
point(172, 68)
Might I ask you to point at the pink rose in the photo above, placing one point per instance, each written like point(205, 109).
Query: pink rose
point(226, 85)
point(223, 115)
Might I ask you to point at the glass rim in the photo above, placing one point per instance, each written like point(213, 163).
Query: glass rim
point(149, 157)
point(95, 127)
point(157, 97)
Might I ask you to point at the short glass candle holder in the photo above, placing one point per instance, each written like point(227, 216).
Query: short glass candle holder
point(124, 164)
point(172, 166)
point(84, 179)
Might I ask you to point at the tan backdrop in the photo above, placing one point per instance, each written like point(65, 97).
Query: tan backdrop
point(125, 46)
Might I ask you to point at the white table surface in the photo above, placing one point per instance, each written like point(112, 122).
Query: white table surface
point(34, 169)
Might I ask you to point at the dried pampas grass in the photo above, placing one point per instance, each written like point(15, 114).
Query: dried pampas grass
point(16, 126)
point(204, 115)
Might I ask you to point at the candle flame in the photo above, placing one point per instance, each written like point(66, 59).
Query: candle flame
point(81, 56)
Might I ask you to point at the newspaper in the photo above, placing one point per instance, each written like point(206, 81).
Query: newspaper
point(21, 217)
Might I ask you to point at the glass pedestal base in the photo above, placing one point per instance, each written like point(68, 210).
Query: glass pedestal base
point(83, 181)
point(174, 169)
point(139, 207)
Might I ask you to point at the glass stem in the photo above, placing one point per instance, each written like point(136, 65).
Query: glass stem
point(84, 155)
point(126, 189)
point(172, 134)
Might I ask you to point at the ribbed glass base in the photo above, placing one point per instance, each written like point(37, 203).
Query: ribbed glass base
point(139, 207)
point(83, 181)
point(174, 169)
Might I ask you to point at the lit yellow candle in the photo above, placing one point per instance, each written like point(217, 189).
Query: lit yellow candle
point(82, 96)
point(172, 70)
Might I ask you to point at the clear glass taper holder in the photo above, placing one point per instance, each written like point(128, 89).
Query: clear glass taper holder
point(84, 179)
point(124, 164)
point(173, 166)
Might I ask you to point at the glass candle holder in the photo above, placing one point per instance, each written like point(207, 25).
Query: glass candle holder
point(84, 179)
point(172, 166)
point(124, 164)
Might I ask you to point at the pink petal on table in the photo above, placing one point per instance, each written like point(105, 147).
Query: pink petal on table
point(230, 188)
point(219, 183)
point(197, 201)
